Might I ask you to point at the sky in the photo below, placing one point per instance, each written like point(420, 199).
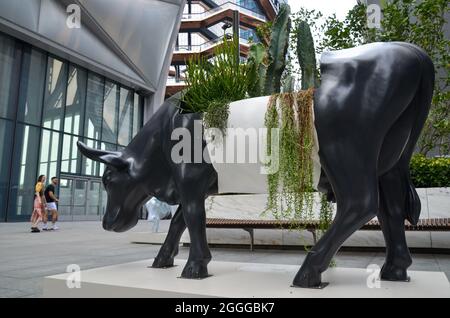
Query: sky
point(327, 7)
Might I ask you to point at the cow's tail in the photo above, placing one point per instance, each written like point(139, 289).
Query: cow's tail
point(421, 104)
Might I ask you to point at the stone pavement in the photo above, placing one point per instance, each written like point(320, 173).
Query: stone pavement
point(26, 258)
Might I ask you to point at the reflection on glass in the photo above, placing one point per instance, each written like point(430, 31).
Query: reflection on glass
point(75, 100)
point(93, 197)
point(125, 119)
point(65, 196)
point(70, 157)
point(55, 91)
point(106, 146)
point(24, 172)
point(94, 106)
point(48, 163)
point(6, 72)
point(6, 133)
point(90, 167)
point(79, 197)
point(110, 110)
point(32, 84)
point(137, 115)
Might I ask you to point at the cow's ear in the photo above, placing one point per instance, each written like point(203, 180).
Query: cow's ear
point(110, 158)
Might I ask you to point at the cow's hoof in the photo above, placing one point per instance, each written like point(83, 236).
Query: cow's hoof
point(394, 273)
point(195, 270)
point(163, 262)
point(308, 278)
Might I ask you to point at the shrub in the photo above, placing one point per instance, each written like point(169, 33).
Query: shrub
point(430, 172)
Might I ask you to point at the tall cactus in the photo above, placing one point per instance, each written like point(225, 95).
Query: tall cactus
point(307, 56)
point(256, 69)
point(278, 47)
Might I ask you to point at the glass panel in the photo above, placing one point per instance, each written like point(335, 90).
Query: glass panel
point(24, 172)
point(125, 124)
point(137, 115)
point(6, 133)
point(94, 198)
point(65, 196)
point(70, 156)
point(48, 163)
point(79, 197)
point(55, 90)
point(32, 84)
point(94, 106)
point(106, 146)
point(7, 45)
point(76, 98)
point(90, 167)
point(110, 110)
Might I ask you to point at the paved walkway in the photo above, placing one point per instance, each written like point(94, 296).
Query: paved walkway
point(26, 258)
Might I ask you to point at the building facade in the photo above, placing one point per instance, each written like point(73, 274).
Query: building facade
point(72, 70)
point(204, 24)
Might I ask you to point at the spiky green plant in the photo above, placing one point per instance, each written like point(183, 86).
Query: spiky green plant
point(306, 56)
point(213, 84)
point(279, 44)
point(256, 63)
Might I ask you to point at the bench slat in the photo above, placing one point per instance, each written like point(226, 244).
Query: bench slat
point(442, 224)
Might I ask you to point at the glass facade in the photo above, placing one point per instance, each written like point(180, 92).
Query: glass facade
point(47, 104)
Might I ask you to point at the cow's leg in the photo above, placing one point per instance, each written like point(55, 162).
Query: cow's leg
point(354, 181)
point(199, 254)
point(169, 249)
point(392, 217)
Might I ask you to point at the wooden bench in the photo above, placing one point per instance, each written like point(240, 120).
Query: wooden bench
point(435, 225)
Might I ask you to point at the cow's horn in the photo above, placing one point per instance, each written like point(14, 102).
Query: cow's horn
point(110, 158)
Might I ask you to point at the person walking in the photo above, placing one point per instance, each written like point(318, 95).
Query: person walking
point(52, 200)
point(38, 204)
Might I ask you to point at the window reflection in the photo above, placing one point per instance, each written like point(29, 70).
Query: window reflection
point(55, 90)
point(75, 101)
point(110, 110)
point(6, 133)
point(6, 73)
point(125, 117)
point(94, 106)
point(70, 157)
point(32, 84)
point(48, 163)
point(24, 173)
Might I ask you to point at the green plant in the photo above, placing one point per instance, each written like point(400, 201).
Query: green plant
point(212, 85)
point(290, 189)
point(267, 60)
point(279, 43)
point(306, 56)
point(256, 63)
point(430, 172)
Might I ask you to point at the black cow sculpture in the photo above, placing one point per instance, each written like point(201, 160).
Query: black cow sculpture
point(369, 112)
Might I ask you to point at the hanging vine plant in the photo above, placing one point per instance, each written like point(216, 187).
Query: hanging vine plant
point(291, 188)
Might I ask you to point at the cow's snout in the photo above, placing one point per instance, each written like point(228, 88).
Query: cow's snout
point(110, 220)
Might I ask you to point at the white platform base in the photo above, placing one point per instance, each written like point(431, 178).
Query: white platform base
point(231, 280)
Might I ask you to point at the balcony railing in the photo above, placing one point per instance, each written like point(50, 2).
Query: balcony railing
point(229, 4)
point(204, 46)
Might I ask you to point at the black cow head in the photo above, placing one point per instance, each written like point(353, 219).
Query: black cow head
point(125, 197)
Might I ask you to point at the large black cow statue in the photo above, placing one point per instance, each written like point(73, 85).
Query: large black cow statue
point(369, 112)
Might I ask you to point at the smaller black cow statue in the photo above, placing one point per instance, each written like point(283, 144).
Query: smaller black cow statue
point(369, 112)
